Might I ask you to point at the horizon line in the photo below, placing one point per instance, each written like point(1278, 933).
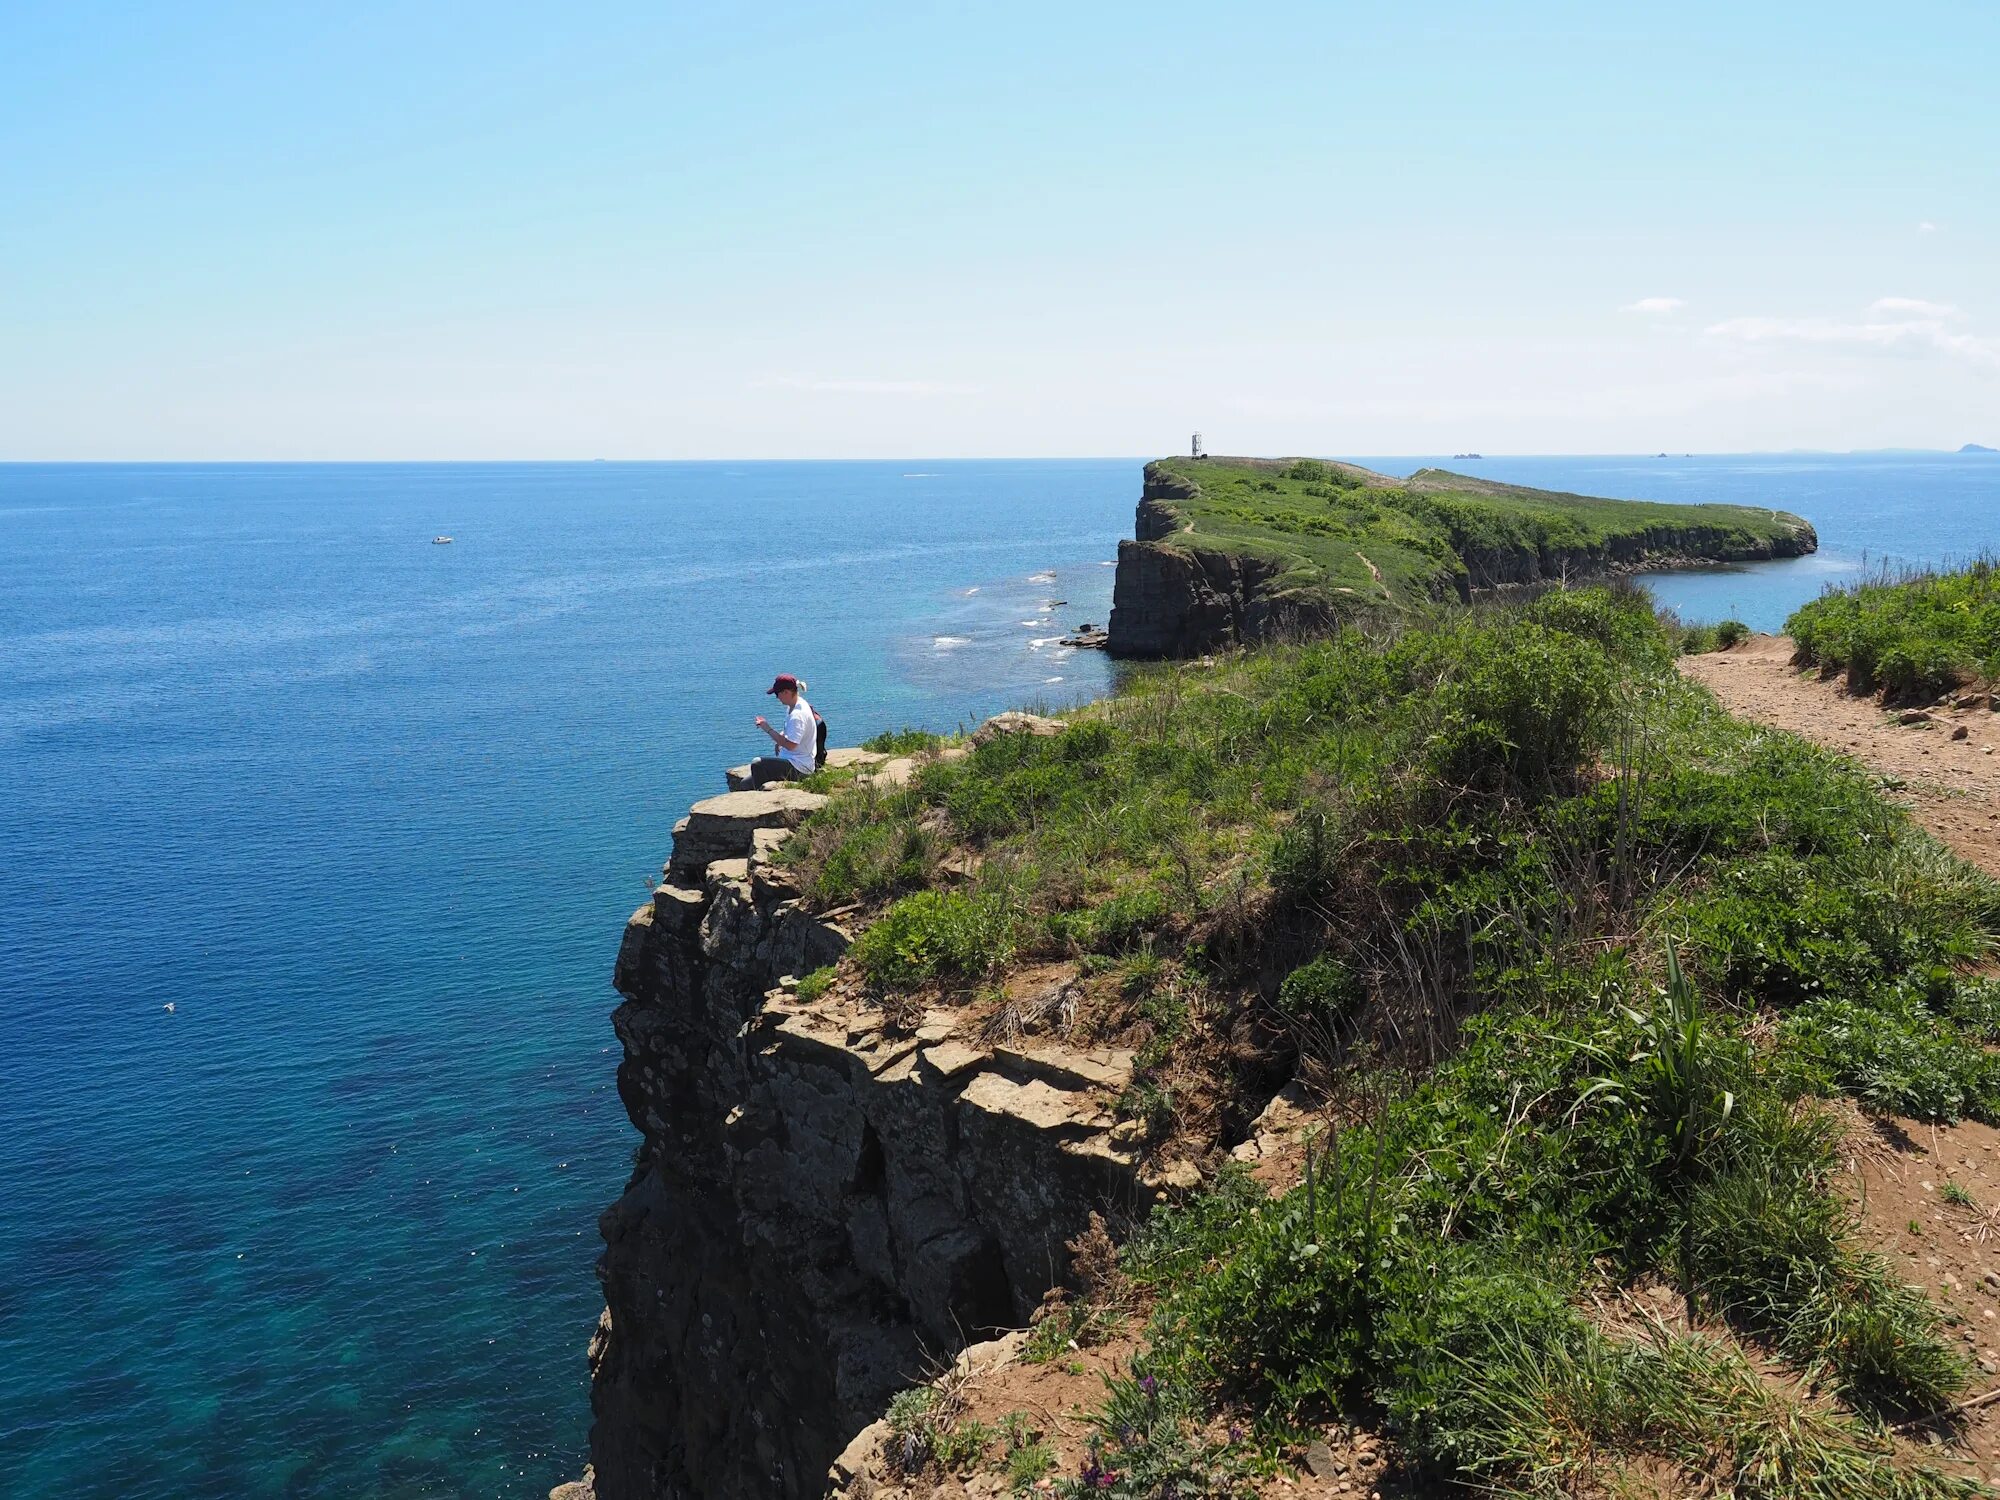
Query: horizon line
point(1959, 452)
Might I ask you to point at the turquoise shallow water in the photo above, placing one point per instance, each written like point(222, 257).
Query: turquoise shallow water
point(369, 813)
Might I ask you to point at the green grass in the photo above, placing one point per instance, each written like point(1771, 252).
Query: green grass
point(1579, 951)
point(1912, 635)
point(1323, 524)
point(903, 742)
point(926, 1429)
point(1695, 640)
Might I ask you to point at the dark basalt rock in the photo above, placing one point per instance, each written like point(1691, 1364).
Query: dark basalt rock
point(819, 1208)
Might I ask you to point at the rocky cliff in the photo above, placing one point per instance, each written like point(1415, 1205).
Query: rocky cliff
point(1230, 552)
point(823, 1205)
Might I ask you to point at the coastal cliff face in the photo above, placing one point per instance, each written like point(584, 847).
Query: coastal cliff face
point(822, 1206)
point(1655, 547)
point(1169, 600)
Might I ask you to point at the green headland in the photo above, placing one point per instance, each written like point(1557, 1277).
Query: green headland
point(1229, 550)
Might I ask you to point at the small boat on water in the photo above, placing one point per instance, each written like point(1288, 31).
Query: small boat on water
point(440, 541)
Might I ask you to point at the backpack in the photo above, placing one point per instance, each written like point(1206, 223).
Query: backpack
point(819, 752)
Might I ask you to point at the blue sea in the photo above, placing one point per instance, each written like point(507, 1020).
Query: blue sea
point(316, 840)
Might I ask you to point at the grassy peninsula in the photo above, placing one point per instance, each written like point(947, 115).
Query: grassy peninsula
point(1339, 531)
point(1592, 988)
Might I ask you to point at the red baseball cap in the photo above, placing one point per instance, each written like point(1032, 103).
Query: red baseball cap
point(784, 680)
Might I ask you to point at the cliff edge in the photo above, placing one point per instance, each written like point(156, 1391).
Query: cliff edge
point(1229, 551)
point(825, 1199)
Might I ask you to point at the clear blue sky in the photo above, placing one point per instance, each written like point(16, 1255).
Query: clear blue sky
point(685, 230)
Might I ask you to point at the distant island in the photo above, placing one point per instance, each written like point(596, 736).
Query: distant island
point(1232, 550)
point(1978, 448)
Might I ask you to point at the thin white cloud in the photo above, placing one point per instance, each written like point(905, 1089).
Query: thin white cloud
point(1926, 227)
point(852, 387)
point(1912, 307)
point(1906, 335)
point(1655, 306)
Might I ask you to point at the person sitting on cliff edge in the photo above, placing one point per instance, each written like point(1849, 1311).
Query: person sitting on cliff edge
point(797, 738)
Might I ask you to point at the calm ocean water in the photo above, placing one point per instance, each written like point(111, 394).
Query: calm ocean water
point(369, 813)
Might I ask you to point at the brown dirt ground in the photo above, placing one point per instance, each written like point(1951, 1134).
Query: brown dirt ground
point(1900, 1168)
point(1952, 786)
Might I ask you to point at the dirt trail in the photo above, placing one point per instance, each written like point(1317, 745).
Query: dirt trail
point(1901, 1167)
point(1951, 786)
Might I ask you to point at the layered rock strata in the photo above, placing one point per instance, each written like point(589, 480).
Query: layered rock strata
point(821, 1208)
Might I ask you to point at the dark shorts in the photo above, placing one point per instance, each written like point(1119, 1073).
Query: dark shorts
point(769, 768)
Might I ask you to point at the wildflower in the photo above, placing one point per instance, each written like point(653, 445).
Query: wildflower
point(1148, 1384)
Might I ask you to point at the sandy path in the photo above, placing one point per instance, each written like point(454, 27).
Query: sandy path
point(1951, 786)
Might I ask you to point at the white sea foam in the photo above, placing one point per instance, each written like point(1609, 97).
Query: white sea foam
point(950, 642)
point(1051, 679)
point(971, 591)
point(1047, 575)
point(1043, 640)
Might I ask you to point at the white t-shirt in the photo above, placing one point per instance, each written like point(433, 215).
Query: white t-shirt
point(803, 731)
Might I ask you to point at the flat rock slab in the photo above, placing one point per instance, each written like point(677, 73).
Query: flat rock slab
point(853, 755)
point(1101, 1067)
point(952, 1058)
point(778, 806)
point(738, 777)
point(723, 827)
point(895, 772)
point(1035, 1103)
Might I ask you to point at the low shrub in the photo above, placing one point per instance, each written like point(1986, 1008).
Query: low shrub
point(1521, 713)
point(933, 935)
point(1698, 640)
point(1149, 1443)
point(1322, 994)
point(1116, 923)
